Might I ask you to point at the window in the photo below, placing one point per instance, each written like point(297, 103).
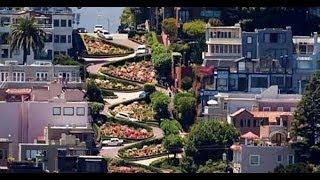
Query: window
point(211, 34)
point(249, 39)
point(241, 123)
point(68, 111)
point(279, 159)
point(274, 37)
point(80, 111)
point(259, 82)
point(225, 49)
point(229, 34)
point(254, 160)
point(282, 38)
point(69, 39)
point(56, 38)
point(56, 23)
point(280, 109)
point(248, 122)
point(267, 38)
point(222, 82)
point(42, 76)
point(56, 111)
point(69, 23)
point(63, 23)
point(266, 109)
point(249, 53)
point(4, 76)
point(221, 48)
point(290, 159)
point(230, 48)
point(5, 53)
point(18, 76)
point(63, 39)
point(225, 105)
point(1, 154)
point(254, 123)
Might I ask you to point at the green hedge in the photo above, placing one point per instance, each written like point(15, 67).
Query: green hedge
point(121, 162)
point(97, 132)
point(140, 145)
point(123, 61)
point(167, 163)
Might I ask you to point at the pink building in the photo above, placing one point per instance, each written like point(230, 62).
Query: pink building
point(26, 112)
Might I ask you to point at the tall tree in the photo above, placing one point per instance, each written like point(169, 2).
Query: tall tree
point(306, 125)
point(26, 35)
point(160, 102)
point(184, 104)
point(127, 17)
point(169, 26)
point(209, 139)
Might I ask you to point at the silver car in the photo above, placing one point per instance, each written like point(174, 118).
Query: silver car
point(112, 142)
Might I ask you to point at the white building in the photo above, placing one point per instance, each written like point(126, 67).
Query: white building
point(57, 22)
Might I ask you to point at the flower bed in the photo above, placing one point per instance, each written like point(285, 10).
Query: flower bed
point(143, 150)
point(142, 71)
point(99, 47)
point(138, 110)
point(115, 130)
point(110, 84)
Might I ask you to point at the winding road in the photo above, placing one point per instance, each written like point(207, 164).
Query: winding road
point(96, 64)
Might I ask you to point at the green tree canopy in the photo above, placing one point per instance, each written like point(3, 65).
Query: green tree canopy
point(178, 47)
point(151, 38)
point(209, 139)
point(185, 105)
point(27, 35)
point(173, 143)
point(195, 28)
point(62, 59)
point(170, 127)
point(169, 27)
point(157, 49)
point(96, 107)
point(93, 93)
point(127, 17)
point(213, 167)
point(294, 168)
point(160, 102)
point(305, 127)
point(149, 88)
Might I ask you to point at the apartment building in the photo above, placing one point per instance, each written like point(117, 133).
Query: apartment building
point(13, 75)
point(58, 143)
point(224, 46)
point(224, 104)
point(26, 111)
point(306, 56)
point(57, 23)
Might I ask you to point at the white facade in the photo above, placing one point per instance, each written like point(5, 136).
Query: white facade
point(57, 24)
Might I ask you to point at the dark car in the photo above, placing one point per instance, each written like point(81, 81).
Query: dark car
point(82, 30)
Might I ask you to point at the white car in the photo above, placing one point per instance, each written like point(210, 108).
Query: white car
point(106, 34)
point(142, 49)
point(112, 142)
point(97, 28)
point(124, 116)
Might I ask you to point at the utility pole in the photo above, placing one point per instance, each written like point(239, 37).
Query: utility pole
point(108, 21)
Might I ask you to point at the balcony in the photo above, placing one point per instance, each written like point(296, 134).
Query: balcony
point(226, 56)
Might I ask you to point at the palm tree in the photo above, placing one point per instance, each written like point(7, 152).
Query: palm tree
point(26, 34)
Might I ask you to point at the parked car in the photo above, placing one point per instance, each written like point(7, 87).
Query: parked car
point(142, 49)
point(82, 30)
point(125, 116)
point(112, 142)
point(97, 28)
point(106, 34)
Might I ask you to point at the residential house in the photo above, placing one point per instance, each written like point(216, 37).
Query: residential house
point(57, 23)
point(225, 104)
point(260, 158)
point(26, 111)
point(306, 57)
point(50, 152)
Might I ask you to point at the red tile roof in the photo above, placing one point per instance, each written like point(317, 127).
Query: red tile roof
point(238, 112)
point(271, 115)
point(250, 136)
